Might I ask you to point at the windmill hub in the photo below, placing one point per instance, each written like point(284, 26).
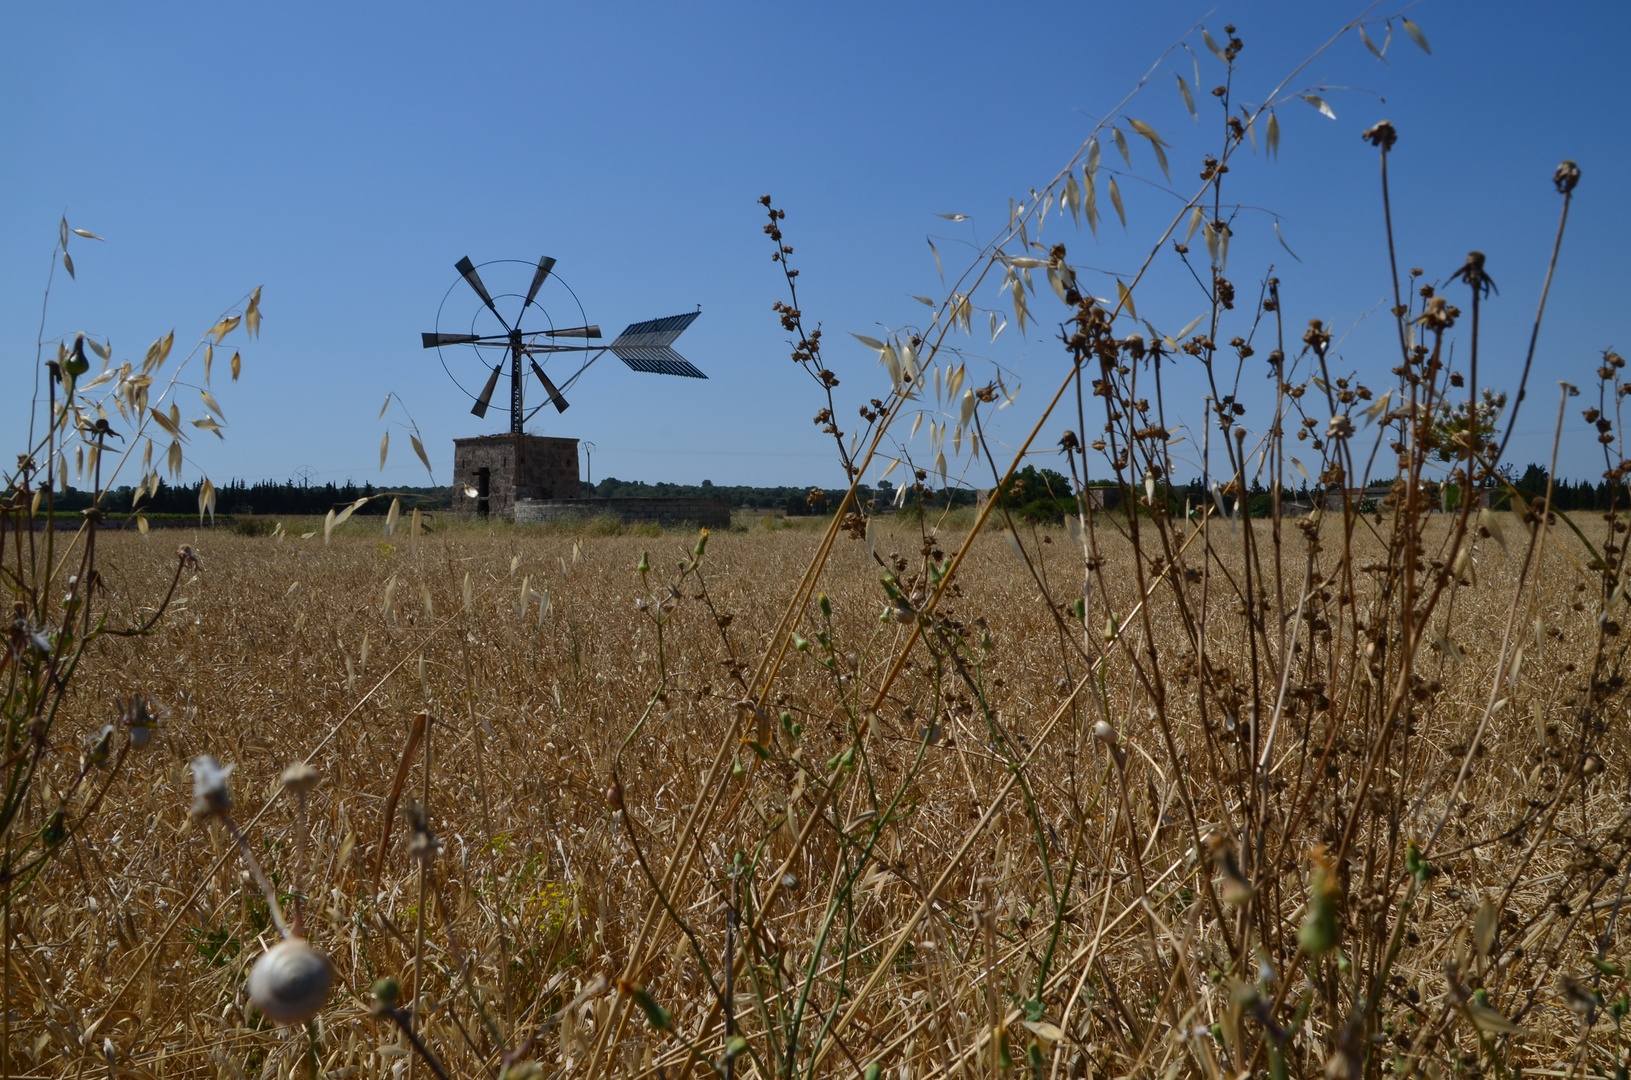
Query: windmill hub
point(492, 473)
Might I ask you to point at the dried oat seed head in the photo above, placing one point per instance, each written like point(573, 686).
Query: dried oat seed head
point(210, 786)
point(300, 778)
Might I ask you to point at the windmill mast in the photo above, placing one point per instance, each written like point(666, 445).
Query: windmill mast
point(517, 405)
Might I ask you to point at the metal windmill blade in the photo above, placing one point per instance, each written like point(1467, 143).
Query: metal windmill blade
point(480, 408)
point(433, 340)
point(555, 397)
point(545, 265)
point(467, 270)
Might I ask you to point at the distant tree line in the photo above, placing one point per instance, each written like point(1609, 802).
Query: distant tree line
point(1032, 493)
point(239, 498)
point(1566, 495)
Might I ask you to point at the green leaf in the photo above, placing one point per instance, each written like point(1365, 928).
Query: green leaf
point(657, 1016)
point(1415, 864)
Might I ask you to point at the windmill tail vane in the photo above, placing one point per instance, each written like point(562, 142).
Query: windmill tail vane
point(643, 346)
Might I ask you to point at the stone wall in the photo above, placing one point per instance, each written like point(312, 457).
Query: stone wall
point(1103, 498)
point(709, 513)
point(548, 470)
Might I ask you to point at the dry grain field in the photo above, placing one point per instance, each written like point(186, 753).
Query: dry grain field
point(1209, 784)
point(1008, 841)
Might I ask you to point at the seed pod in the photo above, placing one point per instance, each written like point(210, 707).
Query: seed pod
point(383, 996)
point(290, 982)
point(300, 778)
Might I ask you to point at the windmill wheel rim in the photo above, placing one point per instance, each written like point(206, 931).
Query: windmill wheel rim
point(441, 354)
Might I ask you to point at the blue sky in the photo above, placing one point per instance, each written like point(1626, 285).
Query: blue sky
point(344, 156)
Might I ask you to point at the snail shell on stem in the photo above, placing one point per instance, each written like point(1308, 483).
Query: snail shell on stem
point(290, 982)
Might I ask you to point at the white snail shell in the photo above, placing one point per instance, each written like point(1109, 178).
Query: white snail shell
point(290, 982)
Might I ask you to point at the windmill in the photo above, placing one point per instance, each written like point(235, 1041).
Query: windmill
point(482, 332)
point(497, 341)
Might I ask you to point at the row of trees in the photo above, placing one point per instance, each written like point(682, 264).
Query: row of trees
point(1567, 495)
point(1032, 493)
point(263, 497)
